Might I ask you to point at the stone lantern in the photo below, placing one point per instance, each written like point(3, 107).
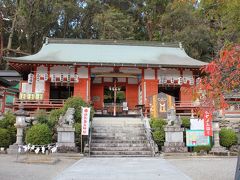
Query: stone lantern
point(20, 125)
point(217, 148)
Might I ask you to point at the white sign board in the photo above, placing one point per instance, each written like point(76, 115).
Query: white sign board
point(85, 120)
point(196, 124)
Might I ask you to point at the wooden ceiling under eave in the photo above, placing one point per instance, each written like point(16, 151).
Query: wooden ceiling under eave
point(22, 68)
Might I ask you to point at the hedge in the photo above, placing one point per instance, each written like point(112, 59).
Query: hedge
point(185, 122)
point(227, 137)
point(158, 131)
point(38, 134)
point(206, 148)
point(5, 139)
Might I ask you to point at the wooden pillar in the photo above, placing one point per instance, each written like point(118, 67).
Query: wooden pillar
point(47, 84)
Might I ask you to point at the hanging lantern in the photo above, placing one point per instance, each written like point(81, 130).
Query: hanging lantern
point(180, 80)
point(191, 82)
point(198, 80)
point(165, 80)
point(53, 79)
point(185, 80)
point(30, 78)
point(161, 80)
point(68, 77)
point(76, 78)
point(61, 77)
point(38, 77)
point(45, 77)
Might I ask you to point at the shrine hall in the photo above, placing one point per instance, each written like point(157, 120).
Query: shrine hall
point(114, 76)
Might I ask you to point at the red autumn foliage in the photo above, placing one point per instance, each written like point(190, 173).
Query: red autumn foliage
point(222, 76)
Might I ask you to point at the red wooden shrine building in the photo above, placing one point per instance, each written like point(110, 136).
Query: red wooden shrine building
point(105, 72)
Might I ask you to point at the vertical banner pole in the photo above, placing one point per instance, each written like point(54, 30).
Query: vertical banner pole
point(81, 144)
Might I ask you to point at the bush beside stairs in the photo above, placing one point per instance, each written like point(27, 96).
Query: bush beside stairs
point(123, 137)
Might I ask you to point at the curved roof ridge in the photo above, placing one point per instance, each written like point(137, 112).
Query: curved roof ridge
point(111, 42)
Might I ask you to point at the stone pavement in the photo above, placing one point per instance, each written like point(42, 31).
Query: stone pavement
point(146, 168)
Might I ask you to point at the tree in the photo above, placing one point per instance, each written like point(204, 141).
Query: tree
point(181, 23)
point(222, 76)
point(113, 24)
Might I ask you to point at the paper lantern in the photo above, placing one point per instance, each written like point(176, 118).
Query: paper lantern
point(45, 77)
point(61, 77)
point(30, 78)
point(180, 80)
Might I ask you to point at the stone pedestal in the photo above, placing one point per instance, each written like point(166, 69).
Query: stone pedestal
point(174, 140)
point(217, 148)
point(66, 136)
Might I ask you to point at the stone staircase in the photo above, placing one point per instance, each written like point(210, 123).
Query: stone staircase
point(119, 137)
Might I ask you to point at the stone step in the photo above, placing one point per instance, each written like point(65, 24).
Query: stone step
point(133, 153)
point(105, 141)
point(123, 138)
point(120, 148)
point(119, 144)
point(117, 127)
point(122, 155)
point(120, 129)
point(117, 130)
point(117, 134)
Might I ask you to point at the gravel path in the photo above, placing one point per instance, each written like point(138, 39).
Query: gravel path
point(11, 170)
point(207, 168)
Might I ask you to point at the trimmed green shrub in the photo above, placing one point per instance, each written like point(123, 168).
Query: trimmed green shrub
point(41, 116)
point(38, 134)
point(159, 137)
point(185, 122)
point(227, 137)
point(206, 148)
point(157, 123)
point(7, 123)
point(54, 117)
point(158, 131)
point(77, 103)
point(5, 139)
point(8, 120)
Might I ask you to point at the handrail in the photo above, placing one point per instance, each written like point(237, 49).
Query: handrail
point(90, 138)
point(148, 132)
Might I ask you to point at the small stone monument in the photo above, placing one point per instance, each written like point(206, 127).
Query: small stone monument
point(20, 125)
point(173, 134)
point(65, 130)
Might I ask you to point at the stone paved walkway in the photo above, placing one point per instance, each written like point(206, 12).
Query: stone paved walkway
point(122, 169)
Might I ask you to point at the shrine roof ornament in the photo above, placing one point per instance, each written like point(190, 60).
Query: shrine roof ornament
point(106, 52)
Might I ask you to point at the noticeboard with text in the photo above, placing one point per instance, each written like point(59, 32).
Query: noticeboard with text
point(196, 138)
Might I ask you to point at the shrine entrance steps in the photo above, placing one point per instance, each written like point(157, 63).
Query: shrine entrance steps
point(119, 137)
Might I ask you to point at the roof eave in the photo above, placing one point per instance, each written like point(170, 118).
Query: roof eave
point(103, 64)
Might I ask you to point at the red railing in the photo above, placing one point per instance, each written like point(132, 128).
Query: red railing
point(40, 104)
point(185, 104)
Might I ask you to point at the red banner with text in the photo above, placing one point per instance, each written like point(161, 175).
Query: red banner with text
point(207, 123)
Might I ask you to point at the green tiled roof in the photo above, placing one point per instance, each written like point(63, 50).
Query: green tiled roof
point(94, 52)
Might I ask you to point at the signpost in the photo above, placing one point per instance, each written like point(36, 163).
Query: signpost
point(85, 123)
point(196, 138)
